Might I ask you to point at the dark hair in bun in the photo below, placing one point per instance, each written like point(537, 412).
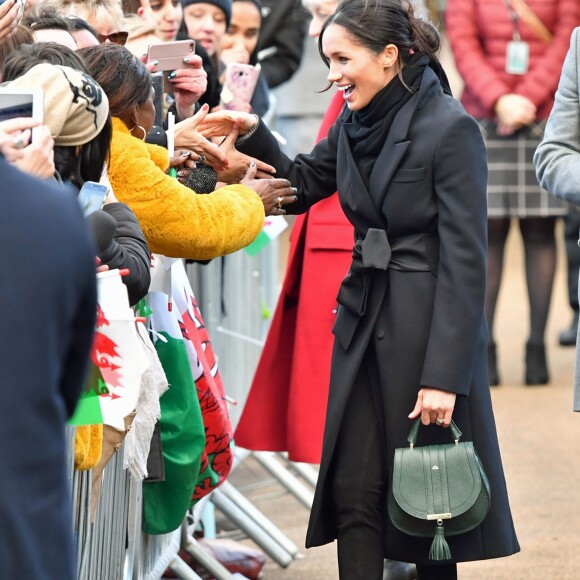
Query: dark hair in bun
point(376, 23)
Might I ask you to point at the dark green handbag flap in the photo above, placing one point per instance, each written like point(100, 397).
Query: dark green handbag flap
point(436, 479)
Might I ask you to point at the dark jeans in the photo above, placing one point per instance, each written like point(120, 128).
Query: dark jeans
point(359, 486)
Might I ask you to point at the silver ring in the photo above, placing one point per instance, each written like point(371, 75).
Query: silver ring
point(18, 142)
point(439, 421)
point(201, 158)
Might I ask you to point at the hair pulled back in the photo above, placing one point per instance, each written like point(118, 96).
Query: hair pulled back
point(124, 78)
point(374, 24)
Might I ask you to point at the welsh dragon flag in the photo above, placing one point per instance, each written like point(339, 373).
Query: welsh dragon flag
point(118, 360)
point(195, 429)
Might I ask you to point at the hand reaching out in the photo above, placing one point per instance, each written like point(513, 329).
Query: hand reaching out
point(187, 136)
point(239, 162)
point(222, 123)
point(274, 193)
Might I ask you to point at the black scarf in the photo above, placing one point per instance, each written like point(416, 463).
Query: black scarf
point(368, 128)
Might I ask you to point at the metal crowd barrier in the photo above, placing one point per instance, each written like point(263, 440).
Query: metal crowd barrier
point(112, 546)
point(235, 294)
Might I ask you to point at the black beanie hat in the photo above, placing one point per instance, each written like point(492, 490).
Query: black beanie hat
point(225, 5)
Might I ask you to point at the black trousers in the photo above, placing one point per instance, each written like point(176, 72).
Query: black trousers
point(359, 485)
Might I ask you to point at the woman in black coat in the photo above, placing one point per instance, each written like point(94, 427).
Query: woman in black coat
point(410, 336)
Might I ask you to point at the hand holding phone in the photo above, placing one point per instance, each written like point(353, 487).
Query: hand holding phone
point(22, 103)
point(38, 157)
point(92, 196)
point(170, 56)
point(240, 81)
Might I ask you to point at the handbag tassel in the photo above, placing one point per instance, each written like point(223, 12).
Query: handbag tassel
point(439, 548)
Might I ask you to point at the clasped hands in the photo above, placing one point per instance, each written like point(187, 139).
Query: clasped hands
point(231, 165)
point(513, 112)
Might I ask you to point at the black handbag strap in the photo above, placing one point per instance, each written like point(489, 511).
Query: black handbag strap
point(412, 438)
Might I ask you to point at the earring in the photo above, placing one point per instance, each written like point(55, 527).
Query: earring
point(142, 129)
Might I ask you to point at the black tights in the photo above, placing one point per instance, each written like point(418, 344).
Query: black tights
point(540, 251)
point(359, 489)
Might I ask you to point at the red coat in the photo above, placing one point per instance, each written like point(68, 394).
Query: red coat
point(286, 407)
point(479, 31)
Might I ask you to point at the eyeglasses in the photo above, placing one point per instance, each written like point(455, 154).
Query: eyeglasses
point(115, 37)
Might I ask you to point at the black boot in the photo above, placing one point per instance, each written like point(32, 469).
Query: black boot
point(568, 337)
point(492, 365)
point(536, 365)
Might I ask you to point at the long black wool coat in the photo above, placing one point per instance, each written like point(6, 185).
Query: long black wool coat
point(415, 292)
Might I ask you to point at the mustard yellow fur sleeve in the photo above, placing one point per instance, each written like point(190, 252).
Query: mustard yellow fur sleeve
point(176, 221)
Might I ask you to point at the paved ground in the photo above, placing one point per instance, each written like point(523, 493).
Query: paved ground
point(540, 442)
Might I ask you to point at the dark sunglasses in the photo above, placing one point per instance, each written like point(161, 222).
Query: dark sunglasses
point(115, 37)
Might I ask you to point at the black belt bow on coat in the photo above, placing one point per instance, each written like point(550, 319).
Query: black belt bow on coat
point(373, 253)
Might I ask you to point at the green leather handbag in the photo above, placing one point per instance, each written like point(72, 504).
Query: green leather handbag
point(438, 490)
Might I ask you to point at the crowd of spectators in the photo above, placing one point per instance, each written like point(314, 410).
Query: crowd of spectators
point(112, 115)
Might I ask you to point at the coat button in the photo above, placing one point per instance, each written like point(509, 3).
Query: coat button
point(380, 334)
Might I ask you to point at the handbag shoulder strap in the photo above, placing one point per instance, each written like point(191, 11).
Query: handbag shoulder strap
point(527, 15)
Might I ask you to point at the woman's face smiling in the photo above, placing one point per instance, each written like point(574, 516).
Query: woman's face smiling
point(357, 72)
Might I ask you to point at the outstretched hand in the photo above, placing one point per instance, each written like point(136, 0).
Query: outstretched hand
point(274, 193)
point(221, 123)
point(239, 162)
point(188, 136)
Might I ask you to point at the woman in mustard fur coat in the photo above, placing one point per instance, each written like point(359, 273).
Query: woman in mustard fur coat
point(175, 220)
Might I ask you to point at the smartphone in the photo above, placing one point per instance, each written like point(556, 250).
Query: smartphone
point(239, 84)
point(16, 103)
point(92, 196)
point(169, 57)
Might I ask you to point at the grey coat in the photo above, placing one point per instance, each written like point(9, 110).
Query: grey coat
point(557, 159)
point(415, 292)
